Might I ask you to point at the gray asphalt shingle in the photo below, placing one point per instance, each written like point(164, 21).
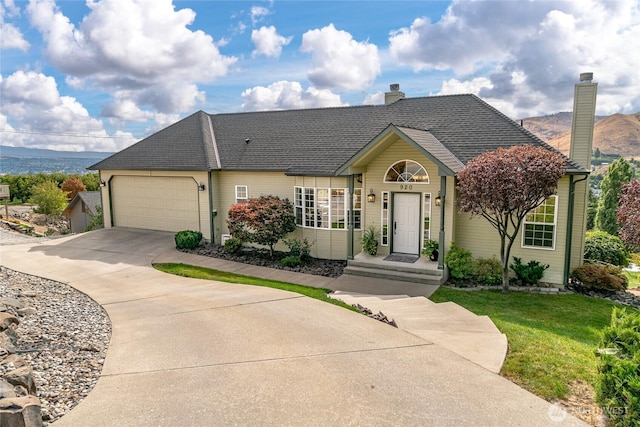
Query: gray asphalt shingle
point(319, 141)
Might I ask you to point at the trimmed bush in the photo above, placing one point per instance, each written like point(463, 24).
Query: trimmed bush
point(488, 271)
point(233, 245)
point(600, 277)
point(187, 239)
point(299, 248)
point(291, 261)
point(528, 274)
point(618, 383)
point(460, 263)
point(604, 247)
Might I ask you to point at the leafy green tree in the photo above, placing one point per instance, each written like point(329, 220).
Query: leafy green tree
point(91, 181)
point(51, 200)
point(504, 185)
point(592, 208)
point(618, 173)
point(264, 220)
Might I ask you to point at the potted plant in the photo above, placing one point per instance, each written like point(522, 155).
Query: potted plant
point(370, 238)
point(430, 250)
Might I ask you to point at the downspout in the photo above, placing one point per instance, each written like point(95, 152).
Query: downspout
point(442, 193)
point(213, 212)
point(350, 234)
point(570, 208)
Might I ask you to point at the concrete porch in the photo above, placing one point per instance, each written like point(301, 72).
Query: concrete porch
point(421, 271)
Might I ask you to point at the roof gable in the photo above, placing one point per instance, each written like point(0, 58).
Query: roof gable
point(185, 145)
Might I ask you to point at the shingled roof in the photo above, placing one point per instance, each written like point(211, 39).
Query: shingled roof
point(319, 141)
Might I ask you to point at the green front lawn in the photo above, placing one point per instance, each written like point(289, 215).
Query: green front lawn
point(552, 338)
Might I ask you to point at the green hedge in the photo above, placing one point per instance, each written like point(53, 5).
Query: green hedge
point(604, 247)
point(618, 386)
point(188, 239)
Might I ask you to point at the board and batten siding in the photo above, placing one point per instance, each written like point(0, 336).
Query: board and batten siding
point(373, 178)
point(478, 236)
point(152, 196)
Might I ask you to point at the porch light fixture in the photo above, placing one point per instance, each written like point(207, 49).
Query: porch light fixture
point(102, 183)
point(201, 187)
point(371, 197)
point(438, 200)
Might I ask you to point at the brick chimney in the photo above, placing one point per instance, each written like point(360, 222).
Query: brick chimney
point(393, 95)
point(584, 110)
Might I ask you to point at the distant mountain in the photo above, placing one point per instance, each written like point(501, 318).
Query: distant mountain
point(20, 160)
point(6, 151)
point(616, 134)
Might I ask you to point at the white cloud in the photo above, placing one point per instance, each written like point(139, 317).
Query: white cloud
point(10, 36)
point(268, 42)
point(34, 114)
point(139, 47)
point(454, 86)
point(339, 61)
point(284, 95)
point(374, 99)
point(533, 51)
point(258, 13)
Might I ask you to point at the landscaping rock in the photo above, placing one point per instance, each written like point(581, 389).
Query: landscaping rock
point(20, 412)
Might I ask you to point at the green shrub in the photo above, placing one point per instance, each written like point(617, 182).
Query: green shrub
point(600, 277)
point(233, 245)
point(299, 248)
point(430, 249)
point(460, 263)
point(528, 274)
point(187, 239)
point(618, 383)
point(291, 261)
point(370, 240)
point(604, 247)
point(488, 271)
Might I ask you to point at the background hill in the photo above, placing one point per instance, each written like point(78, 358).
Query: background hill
point(616, 134)
point(20, 160)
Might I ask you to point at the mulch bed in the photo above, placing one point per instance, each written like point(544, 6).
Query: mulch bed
point(262, 258)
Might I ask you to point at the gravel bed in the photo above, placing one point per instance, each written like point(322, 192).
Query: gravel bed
point(262, 258)
point(64, 339)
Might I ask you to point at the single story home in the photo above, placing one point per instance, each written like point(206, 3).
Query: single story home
point(392, 166)
point(80, 209)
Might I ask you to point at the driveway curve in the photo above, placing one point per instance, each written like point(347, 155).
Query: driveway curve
point(192, 353)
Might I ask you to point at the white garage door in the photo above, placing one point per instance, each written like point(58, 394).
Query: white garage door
point(155, 203)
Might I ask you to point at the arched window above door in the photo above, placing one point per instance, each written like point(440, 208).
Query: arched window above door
point(407, 171)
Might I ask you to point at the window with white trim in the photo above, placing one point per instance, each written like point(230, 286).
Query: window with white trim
point(407, 171)
point(426, 218)
point(385, 218)
point(539, 230)
point(242, 193)
point(326, 208)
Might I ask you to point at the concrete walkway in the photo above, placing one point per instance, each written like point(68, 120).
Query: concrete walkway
point(190, 352)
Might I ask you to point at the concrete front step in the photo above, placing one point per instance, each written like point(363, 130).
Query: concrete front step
point(473, 337)
point(394, 266)
point(403, 276)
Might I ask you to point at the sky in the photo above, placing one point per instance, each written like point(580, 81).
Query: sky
point(99, 75)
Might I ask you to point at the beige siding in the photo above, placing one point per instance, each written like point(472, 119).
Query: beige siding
point(156, 200)
point(478, 236)
point(373, 178)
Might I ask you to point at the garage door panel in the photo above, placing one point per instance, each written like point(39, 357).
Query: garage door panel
point(155, 203)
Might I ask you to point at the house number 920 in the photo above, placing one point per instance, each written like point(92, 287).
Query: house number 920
point(406, 186)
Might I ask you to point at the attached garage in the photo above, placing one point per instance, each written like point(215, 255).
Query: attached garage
point(165, 203)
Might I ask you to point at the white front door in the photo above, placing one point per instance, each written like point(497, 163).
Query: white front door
point(406, 223)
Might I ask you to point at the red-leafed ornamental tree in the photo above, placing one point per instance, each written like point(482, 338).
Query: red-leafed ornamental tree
point(629, 214)
point(504, 185)
point(264, 220)
point(72, 186)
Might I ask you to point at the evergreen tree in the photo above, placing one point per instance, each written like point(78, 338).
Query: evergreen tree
point(619, 173)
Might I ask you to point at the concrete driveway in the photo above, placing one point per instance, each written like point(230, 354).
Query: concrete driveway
point(187, 352)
